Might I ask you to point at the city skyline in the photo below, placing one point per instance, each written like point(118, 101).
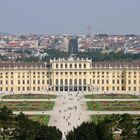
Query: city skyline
point(69, 16)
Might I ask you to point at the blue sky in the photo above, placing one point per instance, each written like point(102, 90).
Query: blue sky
point(70, 16)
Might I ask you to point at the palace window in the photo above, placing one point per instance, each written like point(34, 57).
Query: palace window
point(84, 81)
point(33, 88)
point(6, 82)
point(18, 88)
point(56, 65)
point(56, 81)
point(84, 65)
point(75, 81)
point(70, 81)
point(107, 81)
point(18, 81)
point(102, 81)
point(11, 88)
point(113, 81)
point(70, 65)
point(66, 81)
point(6, 88)
point(80, 82)
point(0, 88)
point(12, 82)
point(66, 65)
point(23, 82)
point(122, 81)
point(28, 88)
point(61, 81)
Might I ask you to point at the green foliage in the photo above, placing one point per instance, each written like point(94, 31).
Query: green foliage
point(21, 127)
point(86, 131)
point(128, 127)
point(98, 56)
point(104, 129)
point(6, 119)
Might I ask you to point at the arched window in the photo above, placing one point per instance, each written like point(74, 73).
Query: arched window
point(61, 65)
point(70, 82)
point(61, 81)
point(75, 81)
point(66, 65)
point(70, 65)
point(56, 65)
point(84, 81)
point(66, 82)
point(56, 81)
point(80, 82)
point(79, 65)
point(84, 65)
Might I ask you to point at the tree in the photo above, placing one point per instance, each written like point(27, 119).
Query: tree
point(6, 122)
point(138, 128)
point(104, 130)
point(86, 131)
point(128, 127)
point(24, 128)
point(48, 133)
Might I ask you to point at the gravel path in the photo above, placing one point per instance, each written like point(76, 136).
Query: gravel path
point(68, 112)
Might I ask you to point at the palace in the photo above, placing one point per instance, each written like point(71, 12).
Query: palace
point(70, 75)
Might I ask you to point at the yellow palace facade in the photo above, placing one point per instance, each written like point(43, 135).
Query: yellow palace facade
point(70, 75)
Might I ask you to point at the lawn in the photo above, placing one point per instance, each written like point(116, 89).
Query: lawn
point(28, 106)
point(29, 96)
point(114, 106)
point(112, 96)
point(40, 118)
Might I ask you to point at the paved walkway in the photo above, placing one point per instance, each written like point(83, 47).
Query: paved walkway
point(68, 112)
point(53, 113)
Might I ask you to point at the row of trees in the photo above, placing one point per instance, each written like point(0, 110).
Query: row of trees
point(128, 127)
point(94, 55)
point(20, 127)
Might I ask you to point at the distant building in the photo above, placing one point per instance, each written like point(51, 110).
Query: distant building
point(73, 45)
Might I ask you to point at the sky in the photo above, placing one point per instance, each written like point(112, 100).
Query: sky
point(70, 16)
